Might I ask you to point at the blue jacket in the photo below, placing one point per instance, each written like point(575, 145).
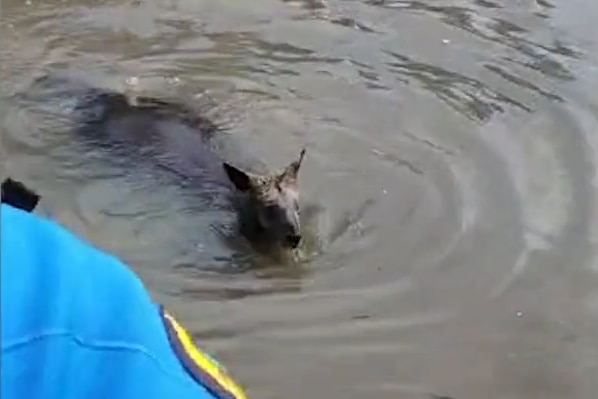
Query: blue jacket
point(78, 324)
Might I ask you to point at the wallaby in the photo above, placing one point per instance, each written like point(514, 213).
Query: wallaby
point(169, 134)
point(273, 199)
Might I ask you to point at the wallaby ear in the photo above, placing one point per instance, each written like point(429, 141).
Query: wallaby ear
point(289, 175)
point(240, 179)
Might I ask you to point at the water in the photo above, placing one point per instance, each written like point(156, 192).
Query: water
point(452, 149)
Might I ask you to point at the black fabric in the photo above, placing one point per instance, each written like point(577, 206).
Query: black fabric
point(16, 194)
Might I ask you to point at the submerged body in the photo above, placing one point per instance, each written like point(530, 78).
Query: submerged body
point(177, 139)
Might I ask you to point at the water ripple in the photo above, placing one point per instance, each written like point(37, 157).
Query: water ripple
point(467, 95)
point(449, 189)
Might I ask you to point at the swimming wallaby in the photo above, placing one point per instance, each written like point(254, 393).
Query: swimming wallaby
point(273, 200)
point(170, 135)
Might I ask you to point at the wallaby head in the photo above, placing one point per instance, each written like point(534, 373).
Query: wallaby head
point(274, 200)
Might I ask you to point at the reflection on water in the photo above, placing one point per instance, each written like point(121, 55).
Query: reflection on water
point(449, 191)
point(469, 96)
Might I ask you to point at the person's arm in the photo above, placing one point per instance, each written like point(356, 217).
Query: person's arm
point(78, 323)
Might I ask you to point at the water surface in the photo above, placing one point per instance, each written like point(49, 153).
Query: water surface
point(452, 149)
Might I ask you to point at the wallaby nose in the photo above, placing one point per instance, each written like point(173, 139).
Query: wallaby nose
point(293, 240)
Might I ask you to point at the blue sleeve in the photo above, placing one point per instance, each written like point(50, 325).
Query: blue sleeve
point(77, 323)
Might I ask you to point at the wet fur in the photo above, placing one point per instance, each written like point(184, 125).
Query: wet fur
point(179, 140)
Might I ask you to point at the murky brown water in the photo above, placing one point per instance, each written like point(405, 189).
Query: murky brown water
point(452, 150)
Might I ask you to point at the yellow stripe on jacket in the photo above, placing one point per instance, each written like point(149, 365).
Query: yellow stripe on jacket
point(201, 360)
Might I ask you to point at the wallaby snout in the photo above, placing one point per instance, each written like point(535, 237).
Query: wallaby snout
point(293, 240)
